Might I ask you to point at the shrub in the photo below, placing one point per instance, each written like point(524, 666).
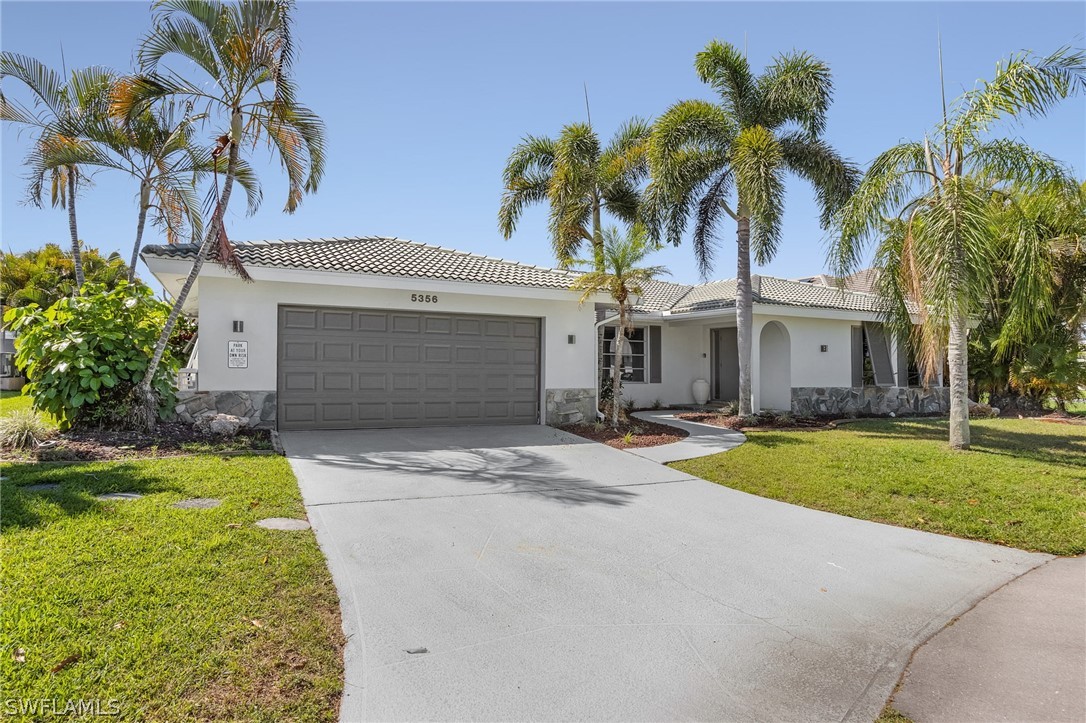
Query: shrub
point(23, 429)
point(83, 356)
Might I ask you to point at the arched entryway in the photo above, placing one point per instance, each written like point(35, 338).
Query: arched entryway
point(775, 368)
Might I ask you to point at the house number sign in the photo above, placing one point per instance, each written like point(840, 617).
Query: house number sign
point(237, 354)
point(424, 298)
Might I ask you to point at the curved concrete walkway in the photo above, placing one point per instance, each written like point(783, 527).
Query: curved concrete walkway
point(704, 439)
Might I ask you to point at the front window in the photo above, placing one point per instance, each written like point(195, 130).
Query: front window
point(634, 354)
point(7, 365)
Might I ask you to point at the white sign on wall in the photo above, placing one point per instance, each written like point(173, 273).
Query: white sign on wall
point(237, 354)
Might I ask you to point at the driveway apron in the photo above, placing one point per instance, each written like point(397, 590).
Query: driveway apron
point(547, 577)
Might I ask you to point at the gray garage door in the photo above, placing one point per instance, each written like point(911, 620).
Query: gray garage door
point(356, 368)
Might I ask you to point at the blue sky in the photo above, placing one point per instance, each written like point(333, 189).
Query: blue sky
point(423, 103)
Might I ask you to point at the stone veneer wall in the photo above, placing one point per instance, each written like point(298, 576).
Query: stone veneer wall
point(845, 401)
point(569, 406)
point(257, 408)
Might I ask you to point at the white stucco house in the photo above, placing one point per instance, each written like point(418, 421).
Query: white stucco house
point(379, 332)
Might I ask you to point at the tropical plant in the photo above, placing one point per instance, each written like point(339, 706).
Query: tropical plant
point(579, 178)
point(24, 429)
point(85, 355)
point(621, 276)
point(245, 51)
point(728, 160)
point(934, 209)
point(60, 115)
point(1019, 366)
point(46, 275)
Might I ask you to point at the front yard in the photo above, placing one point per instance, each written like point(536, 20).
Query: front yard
point(1022, 485)
point(163, 613)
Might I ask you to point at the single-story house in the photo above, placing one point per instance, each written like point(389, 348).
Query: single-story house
point(382, 332)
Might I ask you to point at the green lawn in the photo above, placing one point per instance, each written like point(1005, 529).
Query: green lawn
point(1023, 484)
point(176, 614)
point(13, 402)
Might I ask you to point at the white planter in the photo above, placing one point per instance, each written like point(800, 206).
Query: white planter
point(700, 387)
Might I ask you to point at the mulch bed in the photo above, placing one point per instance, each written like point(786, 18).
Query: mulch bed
point(645, 434)
point(758, 423)
point(170, 439)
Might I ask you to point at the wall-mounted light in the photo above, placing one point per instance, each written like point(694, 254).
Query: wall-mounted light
point(824, 347)
point(571, 338)
point(239, 326)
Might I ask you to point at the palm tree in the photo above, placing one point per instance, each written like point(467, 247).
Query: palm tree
point(46, 275)
point(155, 147)
point(579, 179)
point(762, 129)
point(931, 208)
point(246, 52)
point(60, 115)
point(621, 275)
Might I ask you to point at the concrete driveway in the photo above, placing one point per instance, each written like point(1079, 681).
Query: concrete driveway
point(552, 578)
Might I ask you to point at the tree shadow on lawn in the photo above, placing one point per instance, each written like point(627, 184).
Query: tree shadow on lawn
point(1060, 449)
point(775, 439)
point(79, 484)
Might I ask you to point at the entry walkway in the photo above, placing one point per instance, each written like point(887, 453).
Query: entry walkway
point(704, 439)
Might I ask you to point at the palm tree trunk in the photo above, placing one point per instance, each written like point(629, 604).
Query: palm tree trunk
point(958, 360)
point(147, 403)
point(77, 255)
point(616, 366)
point(744, 316)
point(597, 234)
point(145, 200)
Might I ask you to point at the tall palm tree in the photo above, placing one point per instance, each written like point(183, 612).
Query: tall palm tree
point(728, 160)
point(928, 206)
point(60, 114)
point(245, 51)
point(46, 275)
point(579, 179)
point(621, 276)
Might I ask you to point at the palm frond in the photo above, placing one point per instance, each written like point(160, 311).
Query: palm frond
point(797, 87)
point(723, 67)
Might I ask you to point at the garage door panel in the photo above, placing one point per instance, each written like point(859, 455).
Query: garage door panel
point(351, 368)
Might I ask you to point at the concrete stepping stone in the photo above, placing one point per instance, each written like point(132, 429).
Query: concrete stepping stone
point(283, 523)
point(47, 487)
point(197, 503)
point(119, 496)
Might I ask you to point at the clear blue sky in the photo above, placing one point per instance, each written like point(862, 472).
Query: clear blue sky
point(423, 102)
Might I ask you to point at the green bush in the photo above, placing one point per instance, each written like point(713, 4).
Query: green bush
point(83, 356)
point(23, 429)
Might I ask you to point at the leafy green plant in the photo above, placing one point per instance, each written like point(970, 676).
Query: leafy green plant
point(628, 438)
point(657, 404)
point(23, 429)
point(84, 355)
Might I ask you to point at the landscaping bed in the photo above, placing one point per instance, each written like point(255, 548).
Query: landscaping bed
point(169, 439)
point(761, 421)
point(629, 434)
point(160, 612)
point(1022, 483)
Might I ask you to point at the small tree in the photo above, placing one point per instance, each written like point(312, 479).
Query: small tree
point(621, 276)
point(46, 275)
point(85, 355)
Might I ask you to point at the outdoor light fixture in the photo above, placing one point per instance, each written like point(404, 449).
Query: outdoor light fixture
point(239, 326)
point(571, 338)
point(824, 347)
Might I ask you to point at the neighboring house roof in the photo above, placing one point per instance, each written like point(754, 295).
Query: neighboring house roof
point(865, 281)
point(400, 257)
point(384, 256)
point(765, 290)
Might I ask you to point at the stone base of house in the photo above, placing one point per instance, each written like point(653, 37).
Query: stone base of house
point(258, 408)
point(846, 401)
point(569, 406)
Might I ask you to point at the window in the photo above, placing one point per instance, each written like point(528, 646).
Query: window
point(634, 360)
point(7, 365)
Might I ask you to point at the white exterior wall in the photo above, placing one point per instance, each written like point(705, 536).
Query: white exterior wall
point(810, 367)
point(683, 358)
point(223, 300)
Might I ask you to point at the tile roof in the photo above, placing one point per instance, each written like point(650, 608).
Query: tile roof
point(384, 256)
point(400, 257)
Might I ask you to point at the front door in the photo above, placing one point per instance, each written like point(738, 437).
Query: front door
point(725, 382)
